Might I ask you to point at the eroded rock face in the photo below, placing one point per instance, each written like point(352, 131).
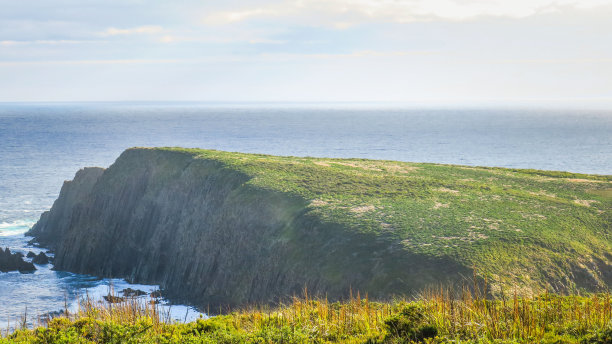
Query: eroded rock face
point(198, 229)
point(52, 223)
point(14, 262)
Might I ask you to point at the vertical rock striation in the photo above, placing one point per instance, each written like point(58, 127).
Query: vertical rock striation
point(200, 230)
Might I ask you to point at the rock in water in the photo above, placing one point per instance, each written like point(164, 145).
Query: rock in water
point(113, 299)
point(41, 259)
point(14, 262)
point(129, 292)
point(156, 294)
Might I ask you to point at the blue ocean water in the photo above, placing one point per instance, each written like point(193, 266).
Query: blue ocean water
point(41, 145)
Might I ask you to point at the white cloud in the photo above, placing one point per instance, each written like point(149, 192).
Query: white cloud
point(345, 13)
point(219, 38)
point(588, 61)
point(44, 42)
point(96, 62)
point(242, 15)
point(322, 49)
point(266, 41)
point(227, 17)
point(342, 56)
point(146, 29)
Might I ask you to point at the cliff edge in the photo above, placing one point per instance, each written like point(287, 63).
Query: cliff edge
point(217, 228)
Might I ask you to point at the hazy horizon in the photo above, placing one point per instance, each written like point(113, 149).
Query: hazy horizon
point(597, 105)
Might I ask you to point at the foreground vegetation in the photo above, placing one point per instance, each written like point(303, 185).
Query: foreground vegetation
point(437, 316)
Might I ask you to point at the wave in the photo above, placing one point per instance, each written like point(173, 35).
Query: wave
point(15, 227)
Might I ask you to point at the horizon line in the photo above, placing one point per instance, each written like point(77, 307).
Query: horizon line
point(539, 102)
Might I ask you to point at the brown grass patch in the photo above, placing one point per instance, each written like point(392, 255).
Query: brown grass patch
point(582, 180)
point(447, 190)
point(318, 203)
point(439, 205)
point(363, 209)
point(358, 165)
point(400, 168)
point(584, 202)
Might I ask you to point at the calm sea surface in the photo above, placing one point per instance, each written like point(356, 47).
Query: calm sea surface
point(41, 145)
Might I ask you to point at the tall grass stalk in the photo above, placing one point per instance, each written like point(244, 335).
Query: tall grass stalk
point(463, 315)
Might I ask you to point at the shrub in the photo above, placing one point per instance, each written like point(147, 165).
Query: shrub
point(410, 324)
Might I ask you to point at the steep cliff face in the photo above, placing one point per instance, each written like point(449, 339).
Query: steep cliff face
point(218, 228)
point(52, 224)
point(197, 228)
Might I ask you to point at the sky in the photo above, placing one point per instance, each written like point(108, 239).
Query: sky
point(434, 51)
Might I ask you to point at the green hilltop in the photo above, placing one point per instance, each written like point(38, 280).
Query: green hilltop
point(522, 230)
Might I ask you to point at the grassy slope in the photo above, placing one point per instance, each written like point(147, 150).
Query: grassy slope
point(525, 229)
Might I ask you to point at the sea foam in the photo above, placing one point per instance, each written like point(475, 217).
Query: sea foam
point(15, 227)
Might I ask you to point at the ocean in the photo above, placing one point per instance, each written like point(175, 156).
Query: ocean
point(43, 144)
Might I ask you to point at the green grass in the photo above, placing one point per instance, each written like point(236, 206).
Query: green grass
point(437, 316)
point(529, 230)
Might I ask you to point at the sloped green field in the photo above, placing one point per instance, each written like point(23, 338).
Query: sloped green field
point(524, 230)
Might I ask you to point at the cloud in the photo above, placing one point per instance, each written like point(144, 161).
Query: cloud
point(471, 48)
point(96, 62)
point(346, 13)
point(589, 61)
point(146, 29)
point(343, 56)
point(243, 15)
point(219, 38)
point(43, 42)
point(266, 41)
point(263, 57)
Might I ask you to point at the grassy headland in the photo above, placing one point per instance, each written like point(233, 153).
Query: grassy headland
point(524, 230)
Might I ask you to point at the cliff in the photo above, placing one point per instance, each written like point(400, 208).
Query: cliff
point(218, 228)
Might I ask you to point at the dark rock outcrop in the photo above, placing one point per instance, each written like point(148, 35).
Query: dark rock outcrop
point(114, 298)
point(129, 292)
point(41, 259)
point(14, 262)
point(31, 254)
point(198, 229)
